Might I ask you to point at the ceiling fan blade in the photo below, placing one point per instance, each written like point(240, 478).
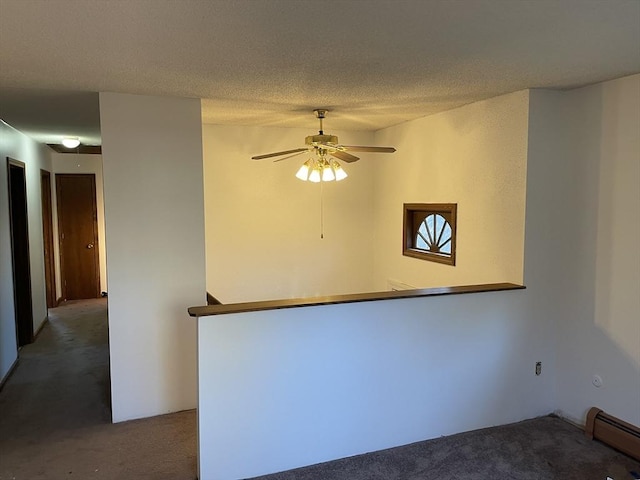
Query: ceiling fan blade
point(277, 154)
point(289, 156)
point(356, 148)
point(344, 156)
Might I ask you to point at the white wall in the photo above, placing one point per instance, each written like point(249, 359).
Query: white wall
point(263, 224)
point(154, 202)
point(18, 146)
point(286, 388)
point(475, 156)
point(72, 163)
point(600, 330)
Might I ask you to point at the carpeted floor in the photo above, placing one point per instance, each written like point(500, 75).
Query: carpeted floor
point(55, 424)
point(546, 448)
point(55, 420)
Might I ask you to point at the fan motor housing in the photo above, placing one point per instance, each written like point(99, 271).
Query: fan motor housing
point(314, 139)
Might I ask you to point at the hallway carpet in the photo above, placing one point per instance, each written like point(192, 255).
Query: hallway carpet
point(55, 420)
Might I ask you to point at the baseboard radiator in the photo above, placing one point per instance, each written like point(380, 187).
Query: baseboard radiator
point(614, 432)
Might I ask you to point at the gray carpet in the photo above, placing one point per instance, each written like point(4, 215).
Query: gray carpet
point(55, 420)
point(545, 448)
point(55, 424)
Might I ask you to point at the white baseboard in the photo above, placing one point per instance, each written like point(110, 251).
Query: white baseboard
point(580, 423)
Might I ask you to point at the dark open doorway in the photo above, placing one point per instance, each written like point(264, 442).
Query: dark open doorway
point(20, 251)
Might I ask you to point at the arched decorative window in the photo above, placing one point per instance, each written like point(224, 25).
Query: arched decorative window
point(430, 231)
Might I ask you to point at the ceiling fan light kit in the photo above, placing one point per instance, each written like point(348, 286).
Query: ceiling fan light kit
point(319, 168)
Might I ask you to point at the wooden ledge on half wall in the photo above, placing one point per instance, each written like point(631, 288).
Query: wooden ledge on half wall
point(205, 311)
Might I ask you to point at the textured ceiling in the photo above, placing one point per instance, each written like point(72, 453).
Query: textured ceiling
point(373, 63)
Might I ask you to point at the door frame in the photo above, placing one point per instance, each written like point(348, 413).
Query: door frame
point(22, 295)
point(47, 238)
point(63, 285)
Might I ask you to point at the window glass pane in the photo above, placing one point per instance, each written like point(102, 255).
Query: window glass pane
point(447, 232)
point(445, 241)
point(440, 221)
point(423, 229)
point(431, 225)
point(446, 248)
point(422, 238)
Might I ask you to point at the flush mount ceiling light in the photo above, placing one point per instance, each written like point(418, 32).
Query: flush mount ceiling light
point(71, 142)
point(319, 168)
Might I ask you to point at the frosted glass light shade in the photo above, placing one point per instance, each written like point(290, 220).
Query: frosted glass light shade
point(315, 175)
point(339, 172)
point(303, 172)
point(327, 174)
point(71, 142)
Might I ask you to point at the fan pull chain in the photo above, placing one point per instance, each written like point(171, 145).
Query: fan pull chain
point(321, 210)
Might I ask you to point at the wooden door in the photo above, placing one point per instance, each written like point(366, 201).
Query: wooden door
point(47, 238)
point(18, 221)
point(78, 235)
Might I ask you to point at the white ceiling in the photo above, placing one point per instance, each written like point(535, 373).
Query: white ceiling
point(373, 63)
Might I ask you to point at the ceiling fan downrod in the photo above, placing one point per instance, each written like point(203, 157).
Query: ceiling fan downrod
point(321, 113)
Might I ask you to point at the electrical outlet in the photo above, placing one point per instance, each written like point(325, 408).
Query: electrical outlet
point(597, 381)
point(538, 368)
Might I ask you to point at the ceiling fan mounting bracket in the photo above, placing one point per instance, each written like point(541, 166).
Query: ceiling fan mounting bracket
point(321, 113)
point(323, 139)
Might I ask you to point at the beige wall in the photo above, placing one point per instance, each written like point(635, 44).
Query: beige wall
point(263, 224)
point(71, 163)
point(475, 156)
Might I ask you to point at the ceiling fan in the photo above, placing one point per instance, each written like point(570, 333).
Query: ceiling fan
point(321, 168)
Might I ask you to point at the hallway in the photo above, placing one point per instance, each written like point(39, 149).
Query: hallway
point(55, 414)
